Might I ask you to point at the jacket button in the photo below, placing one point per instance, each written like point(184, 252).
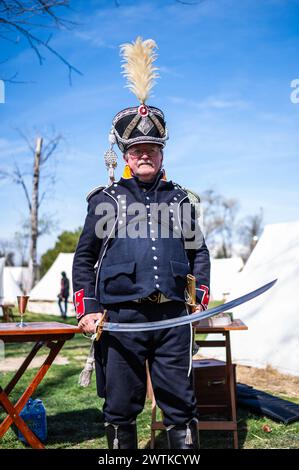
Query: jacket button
point(157, 285)
point(153, 248)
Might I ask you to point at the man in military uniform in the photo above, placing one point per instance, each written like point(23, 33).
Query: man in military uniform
point(141, 278)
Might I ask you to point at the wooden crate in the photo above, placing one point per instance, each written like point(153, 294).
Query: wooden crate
point(210, 381)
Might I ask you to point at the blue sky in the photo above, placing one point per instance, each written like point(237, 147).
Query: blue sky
point(225, 72)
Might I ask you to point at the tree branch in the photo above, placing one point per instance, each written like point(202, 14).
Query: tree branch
point(26, 139)
point(18, 179)
point(49, 148)
point(15, 16)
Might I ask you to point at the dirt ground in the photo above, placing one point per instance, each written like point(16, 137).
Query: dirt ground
point(13, 363)
point(263, 379)
point(268, 380)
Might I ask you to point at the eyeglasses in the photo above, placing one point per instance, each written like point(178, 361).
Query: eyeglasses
point(138, 153)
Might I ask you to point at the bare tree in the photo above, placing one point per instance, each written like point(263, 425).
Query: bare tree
point(38, 226)
point(27, 18)
point(228, 210)
point(250, 230)
point(6, 251)
point(21, 244)
point(213, 220)
point(219, 222)
point(20, 18)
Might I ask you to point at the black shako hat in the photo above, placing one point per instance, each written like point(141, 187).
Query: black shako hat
point(139, 125)
point(143, 123)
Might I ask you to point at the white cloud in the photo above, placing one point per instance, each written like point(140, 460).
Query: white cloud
point(211, 102)
point(94, 38)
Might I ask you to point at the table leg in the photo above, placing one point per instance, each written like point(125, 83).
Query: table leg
point(232, 390)
point(23, 367)
point(54, 350)
point(30, 437)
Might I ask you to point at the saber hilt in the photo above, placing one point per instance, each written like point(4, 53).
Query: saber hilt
point(100, 326)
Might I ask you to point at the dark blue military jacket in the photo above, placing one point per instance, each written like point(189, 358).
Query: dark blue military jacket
point(136, 241)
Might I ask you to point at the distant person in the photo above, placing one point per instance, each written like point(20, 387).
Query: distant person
point(64, 294)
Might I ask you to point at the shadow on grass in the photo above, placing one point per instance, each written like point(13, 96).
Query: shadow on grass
point(75, 426)
point(215, 439)
point(211, 439)
point(57, 381)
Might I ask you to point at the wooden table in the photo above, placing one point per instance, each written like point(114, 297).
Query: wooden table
point(230, 425)
point(50, 334)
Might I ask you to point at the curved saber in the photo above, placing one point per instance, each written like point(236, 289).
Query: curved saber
point(191, 318)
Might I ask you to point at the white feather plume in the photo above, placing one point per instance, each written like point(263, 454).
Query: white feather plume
point(138, 68)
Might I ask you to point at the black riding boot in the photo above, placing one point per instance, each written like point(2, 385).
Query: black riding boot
point(121, 436)
point(183, 436)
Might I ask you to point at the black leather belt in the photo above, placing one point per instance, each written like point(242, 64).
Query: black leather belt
point(155, 297)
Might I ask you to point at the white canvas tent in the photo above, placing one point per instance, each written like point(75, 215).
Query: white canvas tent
point(21, 275)
point(223, 276)
point(43, 297)
point(9, 289)
point(272, 338)
point(2, 261)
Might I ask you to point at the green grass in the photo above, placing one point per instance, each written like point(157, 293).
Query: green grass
point(74, 413)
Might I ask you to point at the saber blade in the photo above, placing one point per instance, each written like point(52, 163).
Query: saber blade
point(194, 317)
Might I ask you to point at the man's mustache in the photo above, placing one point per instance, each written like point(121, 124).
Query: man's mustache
point(144, 162)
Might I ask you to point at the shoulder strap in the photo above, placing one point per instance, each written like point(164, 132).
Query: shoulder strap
point(94, 191)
